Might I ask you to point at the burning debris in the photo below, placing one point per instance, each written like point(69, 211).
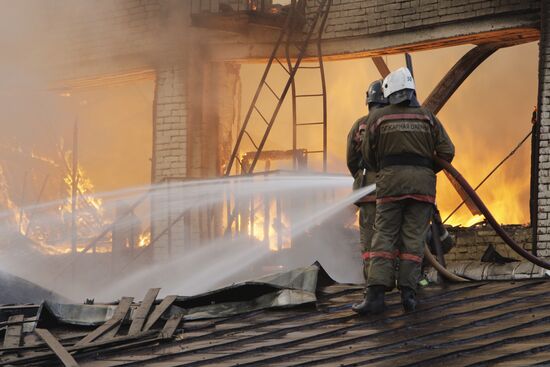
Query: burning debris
point(48, 225)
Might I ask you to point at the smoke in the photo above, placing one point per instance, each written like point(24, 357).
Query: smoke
point(46, 42)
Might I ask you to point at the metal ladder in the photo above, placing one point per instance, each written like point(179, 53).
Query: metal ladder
point(287, 37)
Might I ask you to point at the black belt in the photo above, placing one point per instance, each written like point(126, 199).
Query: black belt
point(406, 159)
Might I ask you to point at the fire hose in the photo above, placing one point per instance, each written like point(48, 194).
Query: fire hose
point(440, 268)
point(488, 216)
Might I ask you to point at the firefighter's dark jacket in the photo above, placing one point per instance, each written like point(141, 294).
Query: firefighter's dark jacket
point(354, 157)
point(397, 131)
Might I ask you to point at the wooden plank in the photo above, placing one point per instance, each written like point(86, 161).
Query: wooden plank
point(381, 66)
point(171, 325)
point(112, 324)
point(13, 333)
point(33, 343)
point(119, 314)
point(158, 311)
point(143, 311)
point(117, 343)
point(64, 356)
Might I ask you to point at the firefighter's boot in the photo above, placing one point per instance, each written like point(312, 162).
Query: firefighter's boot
point(373, 302)
point(408, 299)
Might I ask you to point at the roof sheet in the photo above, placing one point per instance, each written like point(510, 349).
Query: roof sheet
point(497, 323)
point(472, 324)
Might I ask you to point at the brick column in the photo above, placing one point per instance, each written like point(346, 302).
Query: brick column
point(196, 107)
point(170, 123)
point(215, 100)
point(170, 141)
point(543, 197)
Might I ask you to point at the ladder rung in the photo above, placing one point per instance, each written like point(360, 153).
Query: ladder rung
point(272, 91)
point(280, 63)
point(261, 115)
point(251, 140)
point(309, 67)
point(314, 151)
point(309, 95)
point(310, 123)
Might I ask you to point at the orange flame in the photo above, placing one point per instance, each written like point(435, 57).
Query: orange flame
point(144, 239)
point(275, 236)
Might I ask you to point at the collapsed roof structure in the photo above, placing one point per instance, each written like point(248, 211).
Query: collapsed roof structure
point(297, 318)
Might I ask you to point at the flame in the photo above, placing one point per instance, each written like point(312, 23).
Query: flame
point(17, 215)
point(44, 159)
point(474, 220)
point(506, 194)
point(85, 188)
point(144, 239)
point(273, 232)
point(52, 239)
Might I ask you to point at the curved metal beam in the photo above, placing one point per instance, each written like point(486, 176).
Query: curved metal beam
point(456, 76)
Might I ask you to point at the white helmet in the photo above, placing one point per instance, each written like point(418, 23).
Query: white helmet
point(398, 81)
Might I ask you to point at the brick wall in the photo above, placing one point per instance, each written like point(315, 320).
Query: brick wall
point(170, 125)
point(199, 6)
point(105, 37)
point(543, 215)
point(370, 17)
point(471, 242)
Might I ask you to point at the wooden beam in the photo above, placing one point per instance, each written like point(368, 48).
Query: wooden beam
point(457, 75)
point(12, 338)
point(381, 66)
point(40, 344)
point(64, 356)
point(158, 311)
point(389, 43)
point(119, 343)
point(171, 326)
point(112, 324)
point(143, 311)
point(449, 84)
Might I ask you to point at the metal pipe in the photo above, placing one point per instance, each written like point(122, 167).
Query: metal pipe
point(74, 188)
point(490, 219)
point(408, 60)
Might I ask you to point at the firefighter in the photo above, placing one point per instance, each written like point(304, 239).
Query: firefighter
point(362, 176)
point(400, 143)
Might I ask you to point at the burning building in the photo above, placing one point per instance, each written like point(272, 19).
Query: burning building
point(176, 82)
